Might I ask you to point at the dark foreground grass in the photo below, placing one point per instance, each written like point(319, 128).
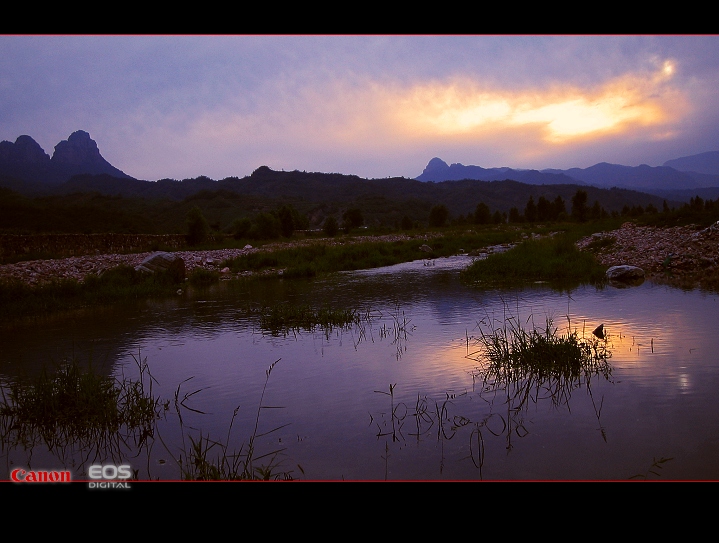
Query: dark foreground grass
point(122, 283)
point(81, 415)
point(555, 260)
point(74, 404)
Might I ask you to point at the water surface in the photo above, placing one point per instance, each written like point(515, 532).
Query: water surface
point(397, 397)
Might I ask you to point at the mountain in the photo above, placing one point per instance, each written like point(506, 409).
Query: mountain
point(438, 170)
point(703, 163)
point(643, 177)
point(26, 162)
point(659, 180)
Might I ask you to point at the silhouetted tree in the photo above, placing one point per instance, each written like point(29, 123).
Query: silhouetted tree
point(514, 215)
point(265, 226)
point(287, 223)
point(197, 227)
point(579, 205)
point(241, 228)
point(544, 210)
point(530, 210)
point(438, 215)
point(352, 218)
point(482, 215)
point(331, 227)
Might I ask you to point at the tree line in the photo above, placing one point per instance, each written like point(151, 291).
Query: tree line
point(284, 220)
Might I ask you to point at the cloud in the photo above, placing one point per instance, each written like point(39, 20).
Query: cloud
point(182, 106)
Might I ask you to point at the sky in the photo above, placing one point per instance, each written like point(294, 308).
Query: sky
point(376, 106)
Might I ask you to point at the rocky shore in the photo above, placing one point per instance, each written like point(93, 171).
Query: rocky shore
point(35, 272)
point(684, 256)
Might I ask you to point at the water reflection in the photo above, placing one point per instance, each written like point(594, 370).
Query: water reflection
point(394, 395)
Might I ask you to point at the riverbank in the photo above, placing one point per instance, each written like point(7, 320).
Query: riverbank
point(686, 256)
point(681, 256)
point(38, 272)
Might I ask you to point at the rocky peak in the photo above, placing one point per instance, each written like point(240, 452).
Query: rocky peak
point(436, 170)
point(78, 149)
point(25, 150)
point(436, 165)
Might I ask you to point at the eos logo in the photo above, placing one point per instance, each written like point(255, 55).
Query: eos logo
point(110, 472)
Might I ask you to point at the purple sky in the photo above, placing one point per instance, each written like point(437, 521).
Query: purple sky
point(374, 106)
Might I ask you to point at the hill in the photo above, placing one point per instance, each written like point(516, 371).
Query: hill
point(26, 162)
point(107, 204)
point(659, 180)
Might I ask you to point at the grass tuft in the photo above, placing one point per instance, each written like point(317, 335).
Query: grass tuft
point(555, 260)
point(536, 363)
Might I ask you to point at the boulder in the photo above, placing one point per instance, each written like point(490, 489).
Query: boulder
point(161, 262)
point(625, 274)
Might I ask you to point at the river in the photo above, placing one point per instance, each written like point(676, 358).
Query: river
point(400, 394)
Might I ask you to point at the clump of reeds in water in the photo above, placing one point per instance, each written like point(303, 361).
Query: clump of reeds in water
point(535, 363)
point(75, 405)
point(287, 318)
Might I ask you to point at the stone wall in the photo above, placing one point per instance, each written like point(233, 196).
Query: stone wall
point(66, 245)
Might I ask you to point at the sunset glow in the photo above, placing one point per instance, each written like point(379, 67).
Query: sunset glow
point(561, 115)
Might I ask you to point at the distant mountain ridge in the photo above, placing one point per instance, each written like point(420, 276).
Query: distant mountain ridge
point(438, 170)
point(27, 162)
point(654, 180)
point(703, 163)
point(77, 166)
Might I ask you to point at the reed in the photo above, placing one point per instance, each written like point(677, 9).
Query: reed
point(74, 404)
point(117, 284)
point(535, 363)
point(209, 459)
point(323, 258)
point(287, 318)
point(555, 260)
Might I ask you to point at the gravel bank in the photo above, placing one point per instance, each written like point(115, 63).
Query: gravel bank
point(682, 255)
point(686, 256)
point(34, 272)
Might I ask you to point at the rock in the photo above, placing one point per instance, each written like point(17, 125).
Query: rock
point(164, 262)
point(426, 248)
point(625, 273)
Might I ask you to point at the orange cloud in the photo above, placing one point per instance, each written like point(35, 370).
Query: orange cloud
point(563, 113)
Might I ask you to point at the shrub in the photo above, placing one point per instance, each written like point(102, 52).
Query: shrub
point(331, 227)
point(197, 227)
point(438, 215)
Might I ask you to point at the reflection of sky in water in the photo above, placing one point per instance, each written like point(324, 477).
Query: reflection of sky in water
point(334, 387)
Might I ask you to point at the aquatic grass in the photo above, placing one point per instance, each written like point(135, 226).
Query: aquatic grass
point(555, 260)
point(73, 404)
point(323, 258)
point(284, 318)
point(200, 277)
point(120, 283)
point(81, 415)
point(209, 459)
point(657, 464)
point(537, 363)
